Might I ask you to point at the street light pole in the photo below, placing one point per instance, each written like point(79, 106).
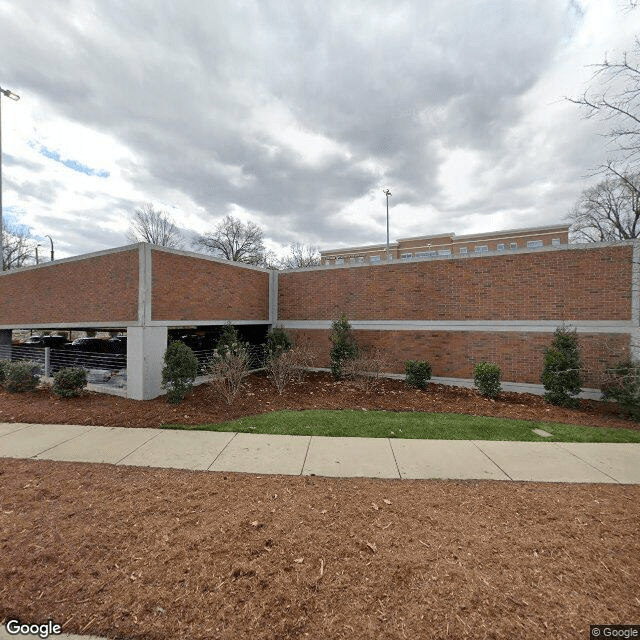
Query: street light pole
point(387, 193)
point(14, 97)
point(51, 240)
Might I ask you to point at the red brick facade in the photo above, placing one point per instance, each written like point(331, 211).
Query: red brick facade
point(452, 354)
point(100, 288)
point(592, 284)
point(191, 288)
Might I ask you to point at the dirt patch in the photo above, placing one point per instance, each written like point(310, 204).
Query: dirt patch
point(319, 391)
point(157, 554)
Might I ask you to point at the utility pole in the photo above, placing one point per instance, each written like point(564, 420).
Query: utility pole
point(15, 98)
point(387, 193)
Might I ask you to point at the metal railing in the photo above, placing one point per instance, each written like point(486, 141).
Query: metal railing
point(102, 368)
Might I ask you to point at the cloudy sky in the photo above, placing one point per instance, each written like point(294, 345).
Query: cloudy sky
point(296, 115)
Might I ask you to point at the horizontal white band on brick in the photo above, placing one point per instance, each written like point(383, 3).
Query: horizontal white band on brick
point(529, 326)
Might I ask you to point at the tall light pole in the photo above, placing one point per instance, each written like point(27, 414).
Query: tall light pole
point(387, 193)
point(15, 97)
point(51, 240)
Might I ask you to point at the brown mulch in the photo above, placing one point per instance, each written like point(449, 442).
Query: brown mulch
point(318, 391)
point(160, 554)
point(156, 554)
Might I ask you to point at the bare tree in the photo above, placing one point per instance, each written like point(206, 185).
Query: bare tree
point(617, 101)
point(18, 248)
point(300, 256)
point(608, 211)
point(236, 241)
point(155, 226)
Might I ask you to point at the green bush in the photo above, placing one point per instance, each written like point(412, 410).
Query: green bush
point(69, 382)
point(486, 377)
point(561, 371)
point(22, 376)
point(343, 347)
point(179, 371)
point(4, 367)
point(623, 385)
point(278, 341)
point(418, 373)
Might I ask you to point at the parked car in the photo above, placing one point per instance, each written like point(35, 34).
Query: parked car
point(55, 342)
point(104, 358)
point(118, 344)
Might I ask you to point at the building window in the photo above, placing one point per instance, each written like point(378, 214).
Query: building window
point(463, 250)
point(444, 252)
point(406, 256)
point(513, 245)
point(426, 254)
point(374, 258)
point(481, 248)
point(534, 244)
point(500, 246)
point(555, 242)
point(339, 260)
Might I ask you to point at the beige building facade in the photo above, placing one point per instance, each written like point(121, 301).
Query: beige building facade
point(448, 244)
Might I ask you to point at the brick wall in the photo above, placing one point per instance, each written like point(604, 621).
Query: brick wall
point(452, 354)
point(190, 288)
point(101, 288)
point(593, 284)
point(580, 284)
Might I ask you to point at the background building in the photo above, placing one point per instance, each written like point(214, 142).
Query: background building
point(447, 244)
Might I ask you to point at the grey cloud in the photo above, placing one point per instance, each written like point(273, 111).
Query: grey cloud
point(180, 84)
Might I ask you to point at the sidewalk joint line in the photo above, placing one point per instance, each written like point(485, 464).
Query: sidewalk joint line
point(491, 459)
point(393, 453)
point(306, 453)
point(138, 447)
point(57, 444)
point(231, 439)
point(575, 455)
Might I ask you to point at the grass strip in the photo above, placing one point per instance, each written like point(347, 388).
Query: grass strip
point(429, 426)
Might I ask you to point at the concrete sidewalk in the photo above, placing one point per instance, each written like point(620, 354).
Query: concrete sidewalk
point(322, 456)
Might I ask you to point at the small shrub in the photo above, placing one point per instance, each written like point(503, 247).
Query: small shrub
point(418, 373)
point(22, 376)
point(229, 339)
point(344, 346)
point(285, 367)
point(622, 384)
point(179, 371)
point(366, 369)
point(4, 367)
point(69, 381)
point(486, 377)
point(228, 367)
point(278, 341)
point(561, 372)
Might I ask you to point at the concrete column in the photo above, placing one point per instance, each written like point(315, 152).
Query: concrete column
point(145, 358)
point(5, 344)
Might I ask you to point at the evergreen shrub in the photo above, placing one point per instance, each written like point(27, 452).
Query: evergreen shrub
point(179, 371)
point(561, 371)
point(418, 373)
point(486, 377)
point(69, 381)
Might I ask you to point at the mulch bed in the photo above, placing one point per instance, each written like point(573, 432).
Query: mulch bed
point(157, 554)
point(318, 391)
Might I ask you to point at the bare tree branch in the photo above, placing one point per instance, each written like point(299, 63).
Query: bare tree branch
point(18, 248)
point(154, 226)
point(235, 241)
point(618, 101)
point(609, 211)
point(301, 256)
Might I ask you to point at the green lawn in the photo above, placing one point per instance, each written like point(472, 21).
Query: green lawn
point(431, 426)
